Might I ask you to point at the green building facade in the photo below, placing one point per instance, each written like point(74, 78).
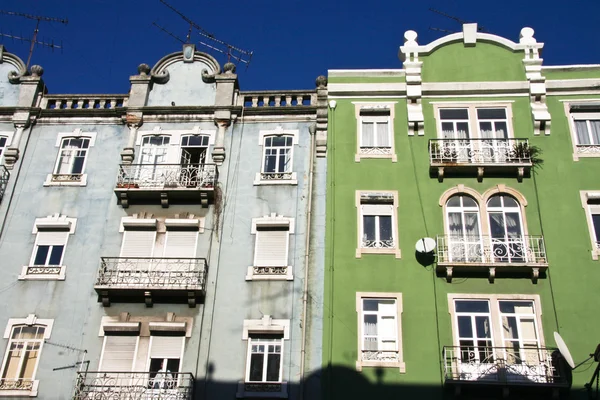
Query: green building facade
point(463, 223)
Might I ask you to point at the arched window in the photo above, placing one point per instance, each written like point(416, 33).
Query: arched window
point(506, 229)
point(464, 229)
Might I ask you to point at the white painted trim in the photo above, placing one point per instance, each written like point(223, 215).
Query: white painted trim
point(177, 134)
point(61, 276)
point(273, 220)
point(570, 67)
point(396, 251)
point(571, 123)
point(561, 84)
point(132, 222)
point(266, 325)
point(82, 182)
point(279, 131)
point(366, 73)
point(55, 221)
point(77, 133)
point(389, 106)
point(500, 103)
point(181, 222)
point(289, 276)
point(31, 319)
point(585, 195)
point(398, 88)
point(260, 182)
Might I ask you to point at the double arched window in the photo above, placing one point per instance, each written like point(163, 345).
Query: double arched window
point(487, 230)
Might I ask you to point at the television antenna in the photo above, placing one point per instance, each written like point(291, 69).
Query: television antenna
point(33, 40)
point(452, 17)
point(207, 39)
point(75, 365)
point(564, 351)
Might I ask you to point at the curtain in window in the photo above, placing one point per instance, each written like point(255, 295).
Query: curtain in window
point(370, 332)
point(383, 134)
point(595, 125)
point(368, 134)
point(582, 134)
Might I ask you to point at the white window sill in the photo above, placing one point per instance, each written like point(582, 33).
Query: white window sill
point(269, 274)
point(259, 181)
point(596, 254)
point(358, 157)
point(362, 250)
point(282, 393)
point(381, 364)
point(50, 182)
point(42, 273)
point(5, 391)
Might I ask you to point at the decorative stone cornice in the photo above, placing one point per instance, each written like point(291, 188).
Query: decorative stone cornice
point(321, 125)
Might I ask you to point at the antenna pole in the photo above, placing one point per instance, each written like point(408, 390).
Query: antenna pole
point(35, 33)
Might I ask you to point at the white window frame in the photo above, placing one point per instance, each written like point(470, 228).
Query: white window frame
point(76, 134)
point(259, 178)
point(256, 272)
point(173, 152)
point(360, 363)
point(362, 111)
point(585, 196)
point(266, 326)
point(31, 320)
point(58, 223)
point(9, 136)
point(473, 120)
point(583, 151)
point(359, 202)
point(264, 342)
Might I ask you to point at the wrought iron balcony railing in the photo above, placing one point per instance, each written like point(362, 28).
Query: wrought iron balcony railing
point(4, 176)
point(93, 385)
point(185, 276)
point(474, 250)
point(480, 154)
point(167, 176)
point(502, 365)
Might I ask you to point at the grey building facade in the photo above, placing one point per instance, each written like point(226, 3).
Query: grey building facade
point(167, 243)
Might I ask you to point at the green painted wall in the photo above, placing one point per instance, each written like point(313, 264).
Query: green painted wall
point(568, 293)
point(484, 62)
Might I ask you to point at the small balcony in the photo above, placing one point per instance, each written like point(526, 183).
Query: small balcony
point(479, 157)
point(168, 280)
point(508, 368)
point(4, 176)
point(94, 385)
point(166, 184)
point(463, 254)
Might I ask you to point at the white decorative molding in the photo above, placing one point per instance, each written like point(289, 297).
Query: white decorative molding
point(273, 220)
point(266, 325)
point(177, 134)
point(77, 133)
point(55, 221)
point(31, 319)
point(278, 131)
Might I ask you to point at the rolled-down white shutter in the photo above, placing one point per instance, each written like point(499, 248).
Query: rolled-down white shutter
point(181, 244)
point(271, 248)
point(138, 243)
point(377, 209)
point(118, 354)
point(166, 347)
point(49, 238)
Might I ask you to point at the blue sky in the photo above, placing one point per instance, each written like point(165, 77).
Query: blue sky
point(293, 41)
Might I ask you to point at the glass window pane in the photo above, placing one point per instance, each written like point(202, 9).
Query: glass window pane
point(256, 367)
point(56, 255)
point(279, 141)
point(385, 227)
point(454, 113)
point(495, 201)
point(370, 305)
point(491, 113)
point(509, 327)
point(516, 307)
point(11, 367)
point(480, 306)
point(482, 324)
point(509, 202)
point(485, 127)
point(41, 255)
point(465, 329)
point(369, 227)
point(270, 162)
point(273, 362)
point(468, 202)
point(268, 141)
point(78, 165)
point(29, 361)
point(454, 201)
point(596, 222)
point(497, 225)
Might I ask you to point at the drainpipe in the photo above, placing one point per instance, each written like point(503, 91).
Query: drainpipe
point(312, 129)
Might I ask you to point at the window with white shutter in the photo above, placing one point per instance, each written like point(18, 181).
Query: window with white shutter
point(49, 247)
point(138, 243)
point(377, 221)
point(181, 243)
point(118, 353)
point(165, 360)
point(375, 131)
point(379, 330)
point(271, 248)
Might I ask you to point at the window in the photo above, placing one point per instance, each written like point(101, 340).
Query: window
point(490, 329)
point(375, 133)
point(52, 234)
point(377, 223)
point(73, 149)
point(464, 229)
point(264, 358)
point(379, 330)
point(591, 204)
point(118, 353)
point(26, 338)
point(154, 149)
point(265, 375)
point(506, 229)
point(4, 143)
point(164, 361)
point(277, 157)
point(271, 248)
point(584, 124)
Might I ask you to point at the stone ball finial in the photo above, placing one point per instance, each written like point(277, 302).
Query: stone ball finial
point(36, 70)
point(410, 37)
point(526, 35)
point(321, 81)
point(229, 68)
point(143, 69)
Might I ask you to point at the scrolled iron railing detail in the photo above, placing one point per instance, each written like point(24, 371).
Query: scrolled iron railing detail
point(159, 176)
point(66, 177)
point(366, 150)
point(4, 176)
point(276, 176)
point(43, 270)
point(266, 387)
point(488, 250)
point(16, 384)
point(588, 149)
point(383, 356)
point(163, 273)
point(378, 244)
point(479, 151)
point(270, 270)
point(133, 386)
point(533, 365)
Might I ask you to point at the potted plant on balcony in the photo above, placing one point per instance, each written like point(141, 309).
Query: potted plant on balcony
point(522, 152)
point(434, 151)
point(127, 185)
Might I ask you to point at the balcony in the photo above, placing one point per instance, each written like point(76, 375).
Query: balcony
point(510, 255)
point(4, 176)
point(510, 368)
point(166, 184)
point(479, 157)
point(171, 280)
point(93, 385)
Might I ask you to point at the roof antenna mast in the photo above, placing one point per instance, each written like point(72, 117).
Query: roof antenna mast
point(207, 39)
point(460, 21)
point(33, 40)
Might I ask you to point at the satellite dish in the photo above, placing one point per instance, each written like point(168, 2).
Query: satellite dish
point(425, 245)
point(564, 350)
